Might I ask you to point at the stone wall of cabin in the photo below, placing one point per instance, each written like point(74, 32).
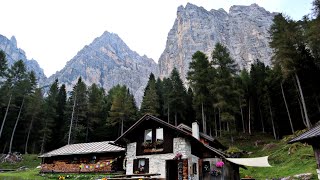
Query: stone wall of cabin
point(157, 162)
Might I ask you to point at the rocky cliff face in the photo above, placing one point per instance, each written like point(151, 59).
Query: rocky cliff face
point(244, 31)
point(108, 61)
point(13, 54)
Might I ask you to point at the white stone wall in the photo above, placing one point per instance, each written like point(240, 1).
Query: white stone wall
point(157, 162)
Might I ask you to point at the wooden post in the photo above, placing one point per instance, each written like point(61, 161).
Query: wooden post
point(316, 149)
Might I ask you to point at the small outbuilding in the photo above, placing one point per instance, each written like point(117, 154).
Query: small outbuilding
point(84, 157)
point(311, 137)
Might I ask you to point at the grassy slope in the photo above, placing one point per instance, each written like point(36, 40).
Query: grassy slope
point(300, 160)
point(30, 161)
point(285, 159)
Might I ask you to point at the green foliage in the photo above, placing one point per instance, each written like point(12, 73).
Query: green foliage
point(150, 102)
point(123, 109)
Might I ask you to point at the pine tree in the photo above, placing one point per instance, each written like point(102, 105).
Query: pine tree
point(223, 87)
point(123, 109)
point(199, 78)
point(177, 96)
point(150, 102)
point(50, 115)
point(78, 120)
point(290, 52)
point(3, 66)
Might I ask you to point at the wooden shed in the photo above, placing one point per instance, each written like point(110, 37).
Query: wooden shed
point(84, 157)
point(311, 137)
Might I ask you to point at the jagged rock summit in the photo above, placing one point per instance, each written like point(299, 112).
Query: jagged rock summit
point(13, 54)
point(244, 31)
point(108, 61)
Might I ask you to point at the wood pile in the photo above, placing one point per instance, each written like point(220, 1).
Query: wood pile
point(62, 166)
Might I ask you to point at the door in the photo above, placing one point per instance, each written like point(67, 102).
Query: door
point(172, 169)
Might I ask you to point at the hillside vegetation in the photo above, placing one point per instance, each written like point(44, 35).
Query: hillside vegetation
point(285, 159)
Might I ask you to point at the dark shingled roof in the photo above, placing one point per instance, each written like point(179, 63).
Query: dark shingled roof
point(308, 135)
point(84, 148)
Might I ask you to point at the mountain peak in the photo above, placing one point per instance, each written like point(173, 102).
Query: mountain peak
point(107, 62)
point(13, 41)
point(244, 31)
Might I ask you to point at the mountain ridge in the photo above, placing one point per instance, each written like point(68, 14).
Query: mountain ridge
point(108, 61)
point(243, 30)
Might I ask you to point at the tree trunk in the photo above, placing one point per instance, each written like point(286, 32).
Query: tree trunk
point(43, 138)
point(175, 119)
point(168, 114)
point(29, 131)
point(72, 114)
point(15, 126)
point(302, 114)
point(215, 123)
point(285, 103)
point(272, 123)
point(220, 125)
point(203, 120)
point(121, 125)
point(261, 119)
point(249, 117)
point(5, 115)
point(303, 102)
point(243, 128)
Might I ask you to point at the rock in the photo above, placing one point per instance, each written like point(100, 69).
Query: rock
point(304, 176)
point(244, 31)
point(13, 54)
point(108, 61)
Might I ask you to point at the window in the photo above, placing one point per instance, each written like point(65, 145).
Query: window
point(159, 134)
point(148, 135)
point(141, 166)
point(194, 168)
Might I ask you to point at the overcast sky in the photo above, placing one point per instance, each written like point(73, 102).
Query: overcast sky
point(53, 31)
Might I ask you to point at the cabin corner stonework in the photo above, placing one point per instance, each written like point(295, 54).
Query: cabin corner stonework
point(157, 162)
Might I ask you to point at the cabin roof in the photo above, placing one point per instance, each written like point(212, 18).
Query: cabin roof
point(308, 135)
point(149, 117)
point(178, 129)
point(84, 148)
point(205, 136)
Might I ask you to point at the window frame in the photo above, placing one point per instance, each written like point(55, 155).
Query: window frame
point(158, 139)
point(147, 131)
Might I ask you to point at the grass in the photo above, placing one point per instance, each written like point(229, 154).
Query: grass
point(285, 159)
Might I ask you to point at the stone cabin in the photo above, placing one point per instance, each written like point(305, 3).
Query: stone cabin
point(154, 146)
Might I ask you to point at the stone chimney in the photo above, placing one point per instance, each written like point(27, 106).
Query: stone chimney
point(195, 130)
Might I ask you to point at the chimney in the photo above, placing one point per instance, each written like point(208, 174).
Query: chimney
point(195, 130)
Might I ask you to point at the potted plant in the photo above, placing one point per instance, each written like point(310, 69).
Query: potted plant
point(178, 156)
point(147, 144)
point(159, 143)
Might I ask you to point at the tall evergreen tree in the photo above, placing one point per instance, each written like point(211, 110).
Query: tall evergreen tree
point(178, 96)
point(3, 66)
point(290, 52)
point(223, 87)
point(123, 109)
point(150, 102)
point(78, 122)
point(50, 115)
point(167, 87)
point(199, 78)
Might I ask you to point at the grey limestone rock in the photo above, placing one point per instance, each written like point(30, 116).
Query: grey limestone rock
point(244, 31)
point(13, 54)
point(108, 61)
